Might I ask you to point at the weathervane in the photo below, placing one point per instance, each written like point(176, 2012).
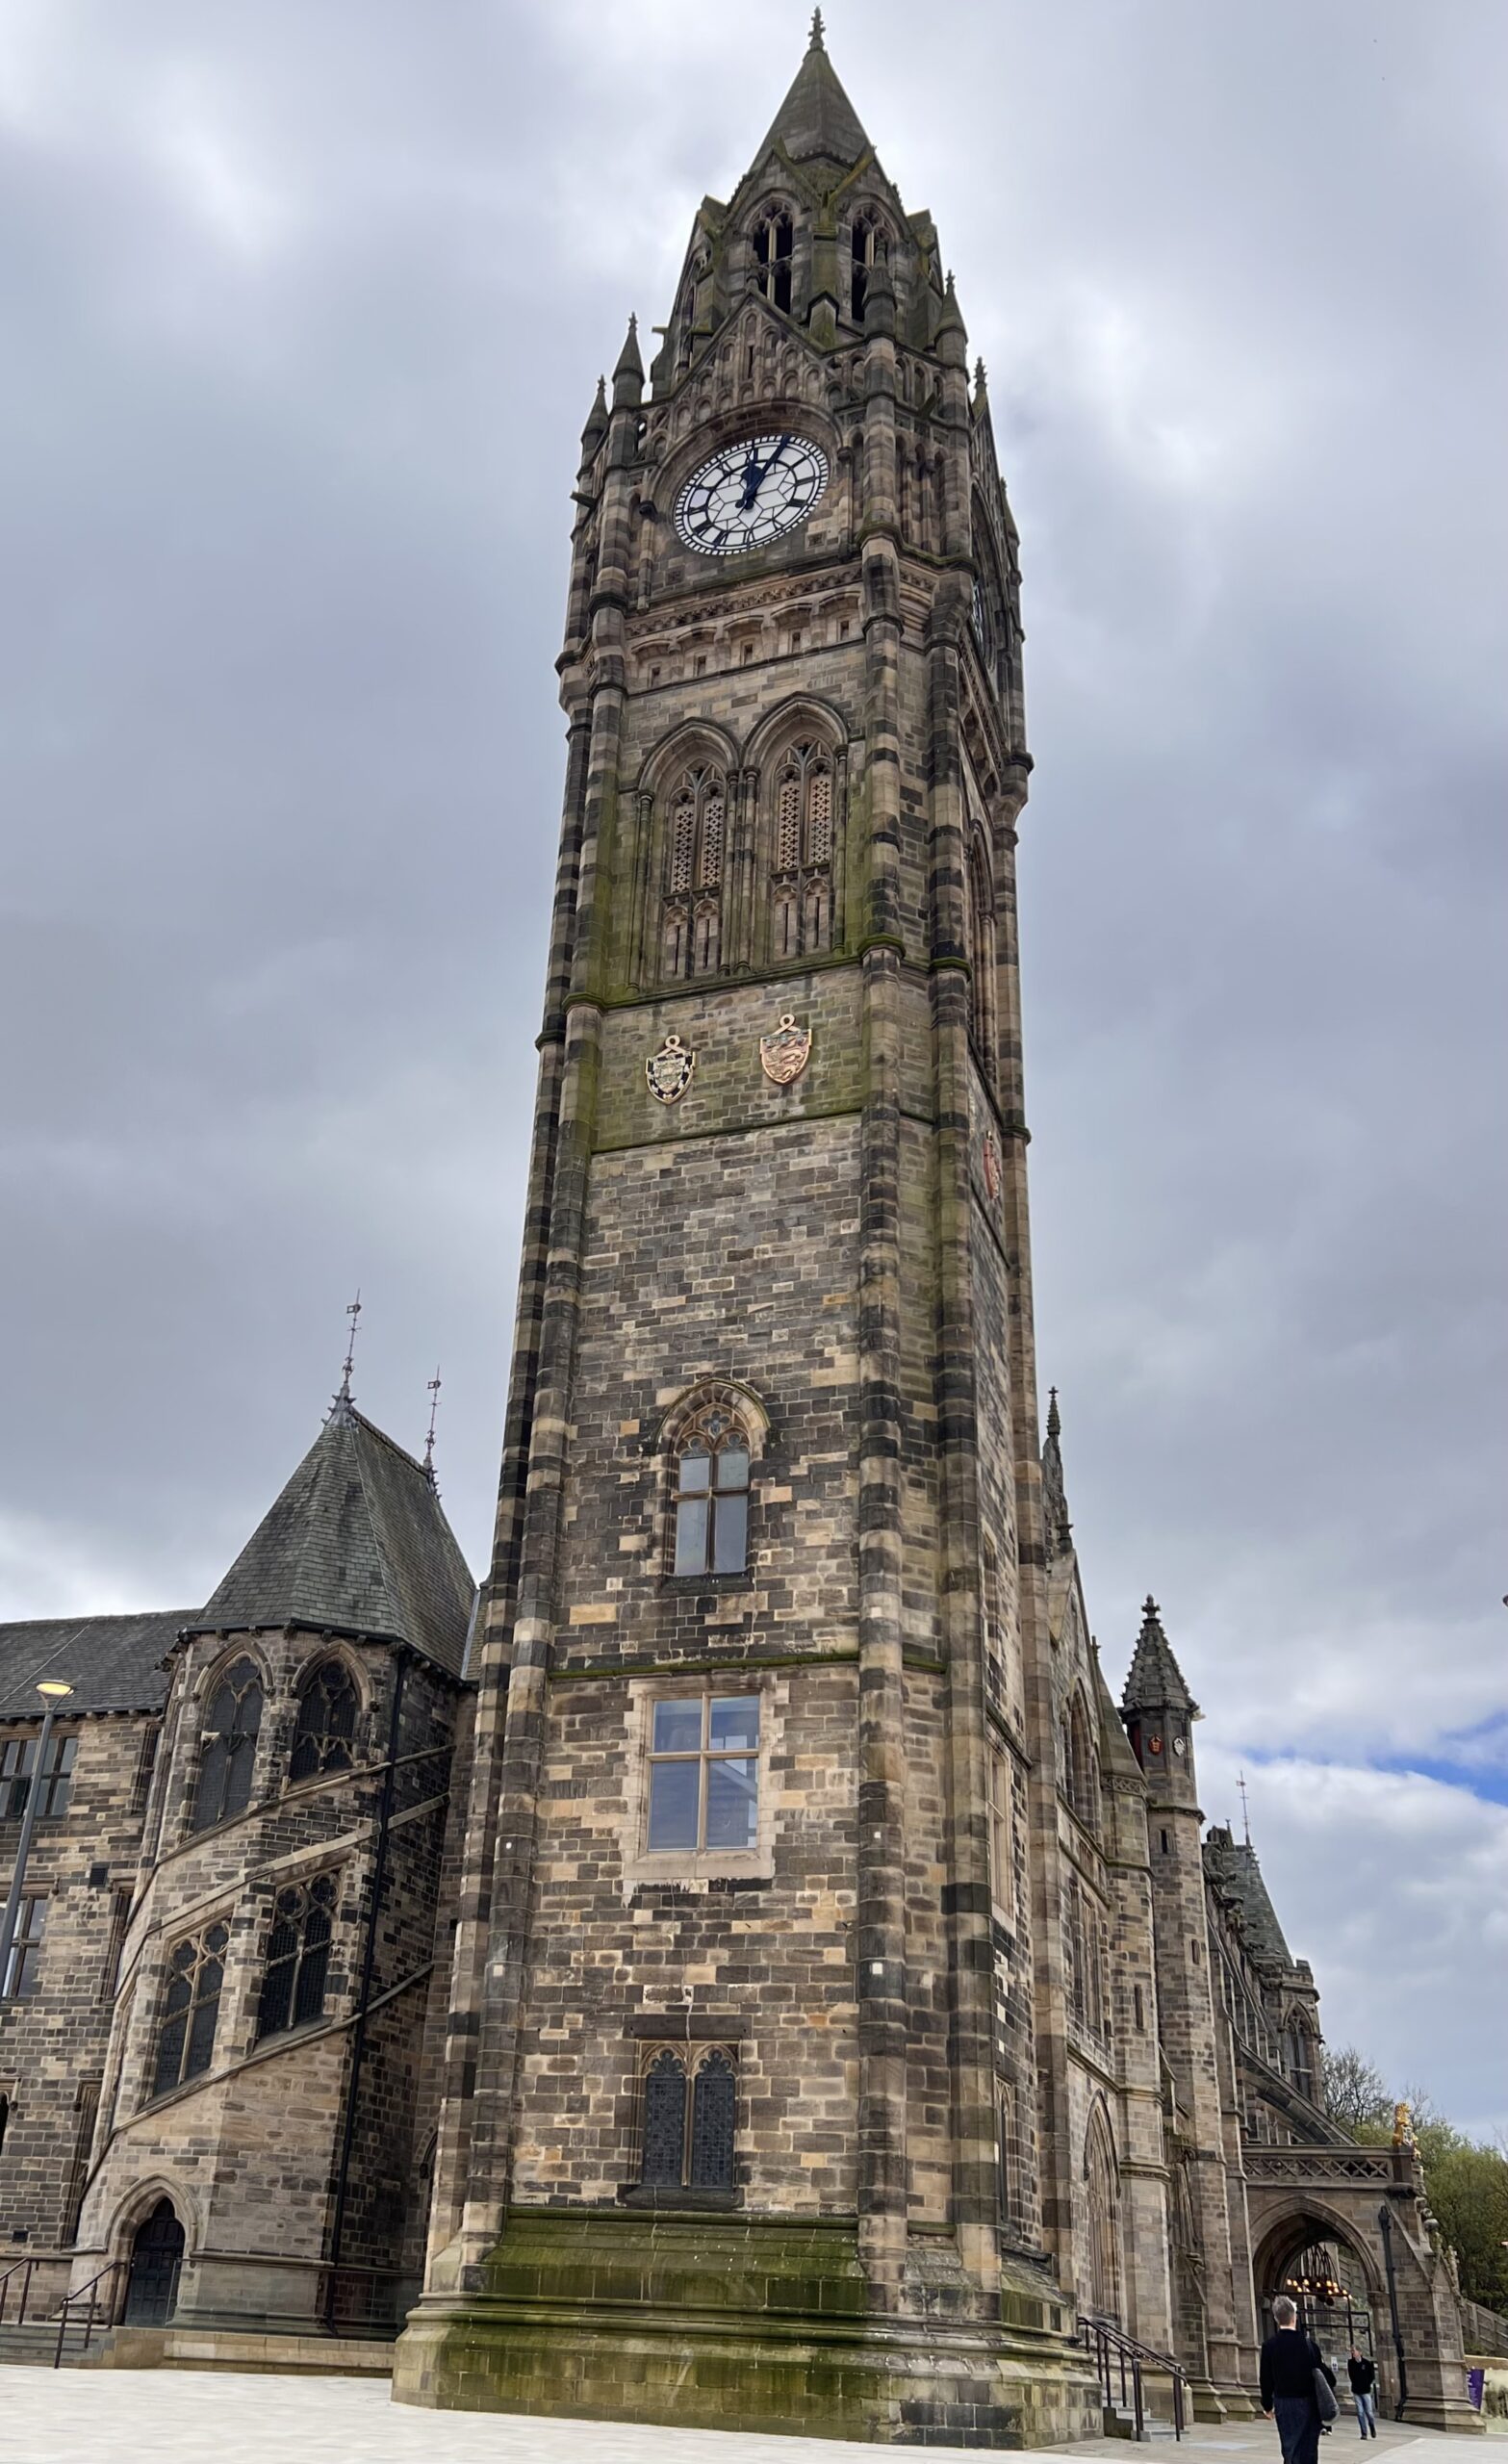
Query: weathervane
point(354, 1313)
point(432, 1385)
point(1241, 1783)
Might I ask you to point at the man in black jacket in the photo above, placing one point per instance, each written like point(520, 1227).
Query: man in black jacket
point(1362, 2376)
point(1288, 2363)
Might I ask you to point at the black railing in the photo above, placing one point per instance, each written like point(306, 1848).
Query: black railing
point(22, 2267)
point(1123, 2367)
point(101, 2308)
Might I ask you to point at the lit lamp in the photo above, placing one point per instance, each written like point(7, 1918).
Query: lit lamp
point(53, 1692)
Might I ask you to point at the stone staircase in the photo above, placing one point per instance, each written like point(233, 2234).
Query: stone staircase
point(35, 2346)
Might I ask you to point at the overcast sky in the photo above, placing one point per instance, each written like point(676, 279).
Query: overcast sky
point(303, 306)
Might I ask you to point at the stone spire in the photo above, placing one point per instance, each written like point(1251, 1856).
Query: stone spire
point(596, 427)
point(816, 117)
point(628, 375)
point(1156, 1681)
point(1054, 1499)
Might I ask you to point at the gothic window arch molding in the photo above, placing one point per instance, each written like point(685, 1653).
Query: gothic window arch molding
point(710, 1441)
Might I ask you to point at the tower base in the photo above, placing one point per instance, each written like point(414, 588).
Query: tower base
point(739, 2324)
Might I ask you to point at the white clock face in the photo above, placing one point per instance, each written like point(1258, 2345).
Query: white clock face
point(750, 493)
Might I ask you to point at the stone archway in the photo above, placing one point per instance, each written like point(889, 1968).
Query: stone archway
point(1310, 2256)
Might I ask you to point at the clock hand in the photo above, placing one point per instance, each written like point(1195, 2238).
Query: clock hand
point(753, 473)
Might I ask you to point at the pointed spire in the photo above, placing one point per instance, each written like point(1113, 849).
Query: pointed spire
point(596, 427)
point(951, 342)
point(1156, 1681)
point(1058, 1529)
point(628, 375)
point(816, 116)
point(981, 391)
point(879, 299)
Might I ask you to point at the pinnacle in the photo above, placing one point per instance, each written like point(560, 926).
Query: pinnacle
point(1055, 1426)
point(628, 375)
point(1156, 1681)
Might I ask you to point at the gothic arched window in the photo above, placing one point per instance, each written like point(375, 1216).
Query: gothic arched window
point(326, 1722)
point(692, 938)
point(190, 2008)
point(229, 1749)
point(774, 239)
point(804, 832)
point(868, 244)
point(1103, 2219)
point(982, 949)
point(297, 1956)
point(712, 1496)
point(689, 2120)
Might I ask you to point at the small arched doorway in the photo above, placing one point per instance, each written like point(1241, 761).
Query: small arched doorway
point(1103, 2217)
point(156, 2257)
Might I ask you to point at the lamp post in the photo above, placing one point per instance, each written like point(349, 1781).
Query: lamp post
point(53, 1692)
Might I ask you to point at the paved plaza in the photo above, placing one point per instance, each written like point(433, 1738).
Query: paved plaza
point(204, 2416)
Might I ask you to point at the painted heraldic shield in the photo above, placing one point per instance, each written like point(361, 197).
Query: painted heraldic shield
point(669, 1071)
point(784, 1055)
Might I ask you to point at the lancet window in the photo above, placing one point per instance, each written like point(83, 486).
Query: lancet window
point(297, 1956)
point(689, 2119)
point(712, 1496)
point(869, 243)
point(326, 1722)
point(229, 1749)
point(692, 941)
point(982, 949)
point(773, 240)
point(805, 829)
point(190, 2009)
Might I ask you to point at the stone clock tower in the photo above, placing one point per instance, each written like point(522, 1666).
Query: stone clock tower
point(755, 2093)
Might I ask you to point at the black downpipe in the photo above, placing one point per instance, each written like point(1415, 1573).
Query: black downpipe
point(379, 1875)
point(1385, 2219)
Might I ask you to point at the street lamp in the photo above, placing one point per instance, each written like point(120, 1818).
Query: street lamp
point(53, 1692)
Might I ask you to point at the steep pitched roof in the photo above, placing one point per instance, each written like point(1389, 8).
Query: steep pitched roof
point(1156, 1681)
point(357, 1542)
point(816, 117)
point(113, 1663)
point(1232, 1866)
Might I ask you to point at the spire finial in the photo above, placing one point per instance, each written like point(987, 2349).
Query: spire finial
point(1241, 1783)
point(818, 30)
point(1055, 1426)
point(432, 1386)
point(1149, 1608)
point(978, 371)
point(343, 1396)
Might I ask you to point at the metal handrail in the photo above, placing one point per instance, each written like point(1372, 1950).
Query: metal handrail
point(111, 2267)
point(23, 2269)
point(1116, 2353)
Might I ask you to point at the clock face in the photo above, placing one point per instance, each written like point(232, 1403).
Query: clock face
point(750, 493)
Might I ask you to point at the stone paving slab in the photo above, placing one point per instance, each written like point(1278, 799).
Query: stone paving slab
point(223, 2417)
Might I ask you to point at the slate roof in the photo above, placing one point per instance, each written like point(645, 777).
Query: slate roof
point(816, 116)
point(358, 1542)
point(1156, 1681)
point(113, 1663)
point(1232, 1866)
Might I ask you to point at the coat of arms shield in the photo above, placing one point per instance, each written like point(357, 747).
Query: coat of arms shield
point(669, 1071)
point(784, 1055)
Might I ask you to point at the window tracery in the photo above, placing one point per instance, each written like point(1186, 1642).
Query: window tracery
point(805, 822)
point(326, 1723)
point(692, 937)
point(190, 2009)
point(711, 1506)
point(689, 2114)
point(297, 1956)
point(229, 1748)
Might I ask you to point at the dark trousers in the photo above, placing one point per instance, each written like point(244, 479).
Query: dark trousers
point(1297, 2418)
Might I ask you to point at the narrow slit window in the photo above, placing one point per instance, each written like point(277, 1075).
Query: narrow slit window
point(773, 243)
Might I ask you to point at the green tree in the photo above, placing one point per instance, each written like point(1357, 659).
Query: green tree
point(1356, 2092)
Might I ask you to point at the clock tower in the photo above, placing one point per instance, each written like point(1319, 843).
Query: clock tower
point(756, 2108)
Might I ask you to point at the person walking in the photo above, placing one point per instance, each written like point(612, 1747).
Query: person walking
point(1362, 2376)
point(1290, 2361)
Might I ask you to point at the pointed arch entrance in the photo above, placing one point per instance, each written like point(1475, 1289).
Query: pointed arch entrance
point(157, 2249)
point(1102, 2209)
point(1315, 2263)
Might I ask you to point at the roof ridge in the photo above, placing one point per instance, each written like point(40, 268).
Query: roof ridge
point(391, 1443)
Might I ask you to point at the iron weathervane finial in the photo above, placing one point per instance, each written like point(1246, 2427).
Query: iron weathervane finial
point(433, 1388)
